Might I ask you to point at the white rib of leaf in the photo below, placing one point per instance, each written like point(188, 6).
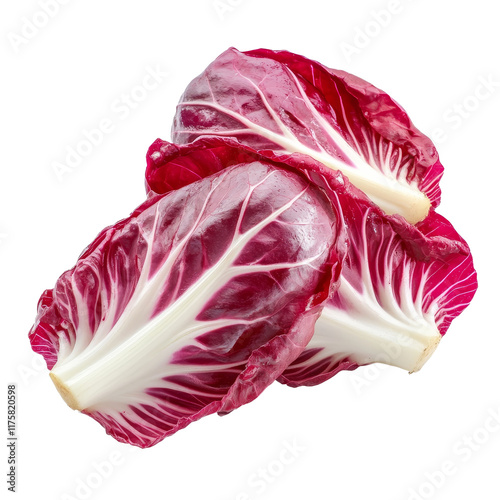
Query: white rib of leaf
point(376, 325)
point(134, 354)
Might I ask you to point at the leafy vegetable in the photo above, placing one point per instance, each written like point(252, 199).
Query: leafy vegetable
point(289, 235)
point(401, 285)
point(282, 102)
point(193, 304)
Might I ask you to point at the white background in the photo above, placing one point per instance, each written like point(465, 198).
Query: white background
point(376, 433)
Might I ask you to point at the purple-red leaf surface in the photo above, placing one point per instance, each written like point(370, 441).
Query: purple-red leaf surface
point(193, 304)
point(400, 288)
point(282, 102)
point(290, 234)
point(401, 285)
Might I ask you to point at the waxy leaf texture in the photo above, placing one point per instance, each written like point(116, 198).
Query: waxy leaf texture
point(282, 102)
point(192, 305)
point(401, 285)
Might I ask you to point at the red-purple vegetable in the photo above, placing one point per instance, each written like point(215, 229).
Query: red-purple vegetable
point(401, 285)
point(400, 288)
point(289, 234)
point(283, 102)
point(193, 304)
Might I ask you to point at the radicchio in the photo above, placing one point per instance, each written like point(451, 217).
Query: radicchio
point(282, 102)
point(193, 304)
point(401, 285)
point(400, 288)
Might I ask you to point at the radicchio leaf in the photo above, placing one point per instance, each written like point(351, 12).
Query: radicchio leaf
point(400, 288)
point(401, 285)
point(282, 102)
point(193, 304)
